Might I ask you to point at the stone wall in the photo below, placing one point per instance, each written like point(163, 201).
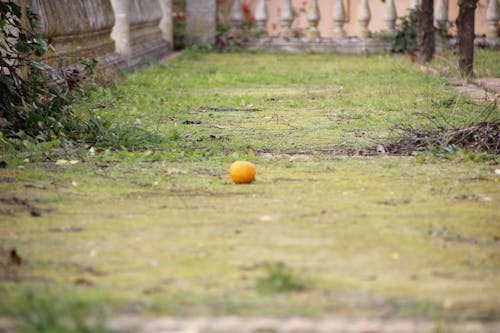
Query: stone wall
point(116, 32)
point(80, 28)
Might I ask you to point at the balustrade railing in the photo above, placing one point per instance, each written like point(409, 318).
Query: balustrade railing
point(314, 16)
point(133, 29)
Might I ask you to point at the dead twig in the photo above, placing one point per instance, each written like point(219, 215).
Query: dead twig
point(215, 108)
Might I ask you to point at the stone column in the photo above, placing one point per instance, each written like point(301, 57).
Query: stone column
point(313, 17)
point(414, 3)
point(338, 16)
point(166, 21)
point(201, 21)
point(364, 16)
point(492, 17)
point(121, 30)
point(261, 17)
point(286, 20)
point(441, 14)
point(236, 16)
point(146, 38)
point(390, 15)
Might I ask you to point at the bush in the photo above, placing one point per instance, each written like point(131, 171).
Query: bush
point(404, 39)
point(34, 97)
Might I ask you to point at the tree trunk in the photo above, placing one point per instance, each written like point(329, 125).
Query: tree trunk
point(465, 37)
point(425, 32)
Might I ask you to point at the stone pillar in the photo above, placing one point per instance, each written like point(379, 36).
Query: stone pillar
point(414, 3)
point(441, 14)
point(236, 17)
point(338, 16)
point(492, 17)
point(364, 16)
point(201, 21)
point(313, 17)
point(261, 17)
point(121, 30)
point(390, 15)
point(286, 20)
point(146, 38)
point(166, 26)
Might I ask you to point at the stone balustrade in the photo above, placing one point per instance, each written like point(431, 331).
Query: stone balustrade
point(361, 14)
point(117, 32)
point(125, 31)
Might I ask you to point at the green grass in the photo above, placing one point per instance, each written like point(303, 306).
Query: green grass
point(485, 63)
point(308, 102)
point(162, 229)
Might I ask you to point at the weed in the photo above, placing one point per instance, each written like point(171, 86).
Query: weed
point(46, 313)
point(447, 135)
point(281, 278)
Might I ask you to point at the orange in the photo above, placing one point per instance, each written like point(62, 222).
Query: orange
point(242, 172)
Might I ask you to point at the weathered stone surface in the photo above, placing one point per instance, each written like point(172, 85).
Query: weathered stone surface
point(201, 21)
point(77, 27)
point(166, 21)
point(146, 38)
point(297, 324)
point(121, 32)
point(346, 45)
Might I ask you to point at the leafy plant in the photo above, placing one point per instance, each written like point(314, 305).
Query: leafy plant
point(280, 278)
point(404, 39)
point(34, 97)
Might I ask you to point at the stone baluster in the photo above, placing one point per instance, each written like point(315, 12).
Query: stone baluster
point(261, 17)
point(364, 16)
point(286, 20)
point(121, 30)
point(441, 15)
point(338, 16)
point(201, 21)
point(313, 17)
point(492, 17)
point(236, 16)
point(390, 15)
point(414, 4)
point(166, 21)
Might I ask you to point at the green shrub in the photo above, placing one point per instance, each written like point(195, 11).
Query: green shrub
point(34, 97)
point(404, 39)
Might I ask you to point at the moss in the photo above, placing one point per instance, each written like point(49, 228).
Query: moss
point(165, 230)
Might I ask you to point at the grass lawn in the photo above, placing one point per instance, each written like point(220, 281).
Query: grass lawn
point(157, 226)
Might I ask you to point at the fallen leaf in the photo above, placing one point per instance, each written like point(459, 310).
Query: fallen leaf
point(83, 282)
point(14, 258)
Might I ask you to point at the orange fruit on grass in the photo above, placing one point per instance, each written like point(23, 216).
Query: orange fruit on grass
point(242, 172)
